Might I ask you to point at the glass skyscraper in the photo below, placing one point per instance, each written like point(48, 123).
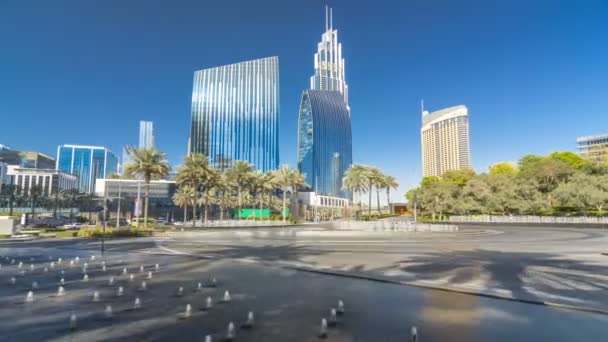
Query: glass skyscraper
point(88, 162)
point(146, 134)
point(324, 141)
point(235, 114)
point(329, 64)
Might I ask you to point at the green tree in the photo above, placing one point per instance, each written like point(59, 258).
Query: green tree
point(390, 182)
point(150, 164)
point(575, 160)
point(240, 175)
point(287, 178)
point(195, 172)
point(185, 196)
point(458, 177)
point(9, 192)
point(355, 180)
point(584, 191)
point(503, 168)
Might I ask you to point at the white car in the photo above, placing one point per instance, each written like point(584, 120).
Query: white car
point(72, 226)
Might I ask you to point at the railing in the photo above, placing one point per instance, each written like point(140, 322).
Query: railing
point(235, 223)
point(39, 211)
point(530, 219)
point(392, 225)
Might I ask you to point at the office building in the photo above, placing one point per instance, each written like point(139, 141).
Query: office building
point(49, 181)
point(26, 159)
point(235, 114)
point(324, 142)
point(87, 162)
point(445, 141)
point(146, 134)
point(329, 64)
point(594, 147)
point(3, 174)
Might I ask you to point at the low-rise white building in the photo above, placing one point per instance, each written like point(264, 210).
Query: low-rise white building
point(316, 207)
point(159, 189)
point(50, 181)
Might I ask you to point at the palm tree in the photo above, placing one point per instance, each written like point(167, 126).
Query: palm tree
point(194, 172)
point(35, 193)
point(240, 174)
point(184, 197)
point(257, 189)
point(269, 185)
point(390, 182)
point(355, 180)
point(204, 199)
point(10, 192)
point(150, 163)
point(70, 197)
point(377, 179)
point(225, 198)
point(288, 178)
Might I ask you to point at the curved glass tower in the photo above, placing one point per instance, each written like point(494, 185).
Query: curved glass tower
point(324, 141)
point(235, 114)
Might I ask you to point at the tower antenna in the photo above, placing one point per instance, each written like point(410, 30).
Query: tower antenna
point(422, 106)
point(326, 18)
point(331, 19)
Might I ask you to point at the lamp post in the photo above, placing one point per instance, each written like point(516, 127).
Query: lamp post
point(138, 206)
point(118, 208)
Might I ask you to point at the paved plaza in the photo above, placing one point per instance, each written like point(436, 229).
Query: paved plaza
point(291, 278)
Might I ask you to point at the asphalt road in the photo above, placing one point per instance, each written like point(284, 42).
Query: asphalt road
point(257, 267)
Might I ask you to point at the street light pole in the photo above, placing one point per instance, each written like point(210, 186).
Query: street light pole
point(105, 211)
point(138, 206)
point(118, 208)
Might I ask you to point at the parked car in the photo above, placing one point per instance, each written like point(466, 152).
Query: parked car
point(72, 226)
point(151, 222)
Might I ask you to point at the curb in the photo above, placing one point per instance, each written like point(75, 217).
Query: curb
point(447, 289)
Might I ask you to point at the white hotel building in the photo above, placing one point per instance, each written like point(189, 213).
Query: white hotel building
point(445, 141)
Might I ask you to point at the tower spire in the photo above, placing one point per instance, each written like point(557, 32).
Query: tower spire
point(422, 106)
point(326, 18)
point(331, 19)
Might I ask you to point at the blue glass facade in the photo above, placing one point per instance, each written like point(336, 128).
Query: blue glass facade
point(88, 162)
point(235, 114)
point(324, 141)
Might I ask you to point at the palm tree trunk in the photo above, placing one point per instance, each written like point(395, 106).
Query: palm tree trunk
point(10, 205)
point(369, 203)
point(194, 215)
point(388, 197)
point(378, 200)
point(284, 204)
point(147, 197)
point(261, 204)
point(185, 213)
point(240, 202)
point(206, 210)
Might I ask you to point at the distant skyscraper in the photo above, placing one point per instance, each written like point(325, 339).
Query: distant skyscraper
point(329, 64)
point(88, 162)
point(445, 141)
point(324, 141)
point(235, 114)
point(146, 134)
point(595, 147)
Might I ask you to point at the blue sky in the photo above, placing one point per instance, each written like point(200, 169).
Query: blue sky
point(534, 74)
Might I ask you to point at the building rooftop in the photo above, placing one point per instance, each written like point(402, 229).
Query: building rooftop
point(591, 137)
point(443, 114)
